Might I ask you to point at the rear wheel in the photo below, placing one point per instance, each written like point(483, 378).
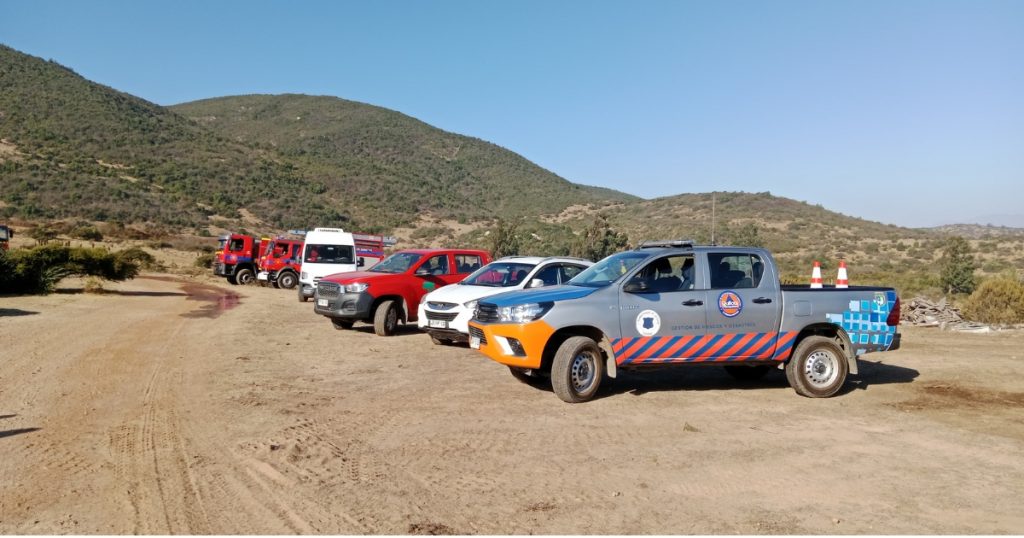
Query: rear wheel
point(287, 280)
point(748, 373)
point(342, 324)
point(577, 370)
point(818, 367)
point(244, 276)
point(385, 318)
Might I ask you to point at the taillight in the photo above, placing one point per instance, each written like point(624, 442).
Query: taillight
point(894, 314)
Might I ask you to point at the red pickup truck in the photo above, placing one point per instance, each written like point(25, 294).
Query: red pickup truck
point(390, 291)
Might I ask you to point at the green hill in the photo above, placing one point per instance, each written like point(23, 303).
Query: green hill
point(73, 148)
point(386, 165)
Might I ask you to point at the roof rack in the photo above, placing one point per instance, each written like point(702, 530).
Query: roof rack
point(677, 243)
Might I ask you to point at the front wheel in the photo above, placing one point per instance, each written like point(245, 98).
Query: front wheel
point(244, 276)
point(818, 367)
point(302, 296)
point(286, 280)
point(577, 370)
point(385, 318)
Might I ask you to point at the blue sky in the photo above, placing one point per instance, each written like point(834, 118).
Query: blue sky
point(904, 112)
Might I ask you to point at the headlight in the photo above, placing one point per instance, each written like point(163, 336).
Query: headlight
point(470, 305)
point(358, 287)
point(521, 313)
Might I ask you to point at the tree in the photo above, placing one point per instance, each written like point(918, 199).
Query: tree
point(598, 241)
point(504, 241)
point(957, 269)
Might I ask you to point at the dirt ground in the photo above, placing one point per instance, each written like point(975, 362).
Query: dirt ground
point(166, 407)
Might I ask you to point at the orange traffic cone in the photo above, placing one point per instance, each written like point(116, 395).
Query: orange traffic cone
point(816, 276)
point(841, 280)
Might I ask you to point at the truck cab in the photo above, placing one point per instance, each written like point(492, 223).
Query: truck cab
point(237, 258)
point(673, 303)
point(280, 264)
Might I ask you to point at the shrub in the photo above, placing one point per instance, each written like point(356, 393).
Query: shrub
point(205, 260)
point(87, 233)
point(999, 300)
point(957, 269)
point(39, 269)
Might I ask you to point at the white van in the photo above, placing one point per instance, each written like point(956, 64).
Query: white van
point(327, 251)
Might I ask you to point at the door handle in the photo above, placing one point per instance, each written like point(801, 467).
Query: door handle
point(693, 302)
point(763, 300)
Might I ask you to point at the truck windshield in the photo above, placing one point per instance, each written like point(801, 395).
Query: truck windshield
point(3, 233)
point(608, 270)
point(328, 254)
point(398, 262)
point(499, 275)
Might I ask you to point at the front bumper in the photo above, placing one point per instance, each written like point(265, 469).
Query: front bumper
point(514, 344)
point(444, 322)
point(354, 306)
point(223, 269)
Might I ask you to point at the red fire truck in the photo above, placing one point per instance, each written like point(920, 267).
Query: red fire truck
point(5, 236)
point(280, 263)
point(237, 259)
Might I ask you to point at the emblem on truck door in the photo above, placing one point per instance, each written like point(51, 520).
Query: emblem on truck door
point(730, 304)
point(648, 323)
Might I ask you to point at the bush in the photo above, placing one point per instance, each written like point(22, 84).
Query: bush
point(205, 260)
point(39, 269)
point(86, 233)
point(1000, 300)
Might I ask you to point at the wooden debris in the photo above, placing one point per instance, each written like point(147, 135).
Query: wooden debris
point(921, 312)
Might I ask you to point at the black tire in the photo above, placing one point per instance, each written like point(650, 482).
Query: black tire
point(245, 277)
point(302, 298)
point(342, 324)
point(385, 318)
point(578, 369)
point(287, 280)
point(817, 368)
point(231, 280)
point(748, 373)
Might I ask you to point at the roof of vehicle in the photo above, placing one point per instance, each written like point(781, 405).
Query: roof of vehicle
point(685, 244)
point(440, 250)
point(537, 260)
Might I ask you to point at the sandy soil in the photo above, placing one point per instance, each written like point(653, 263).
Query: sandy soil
point(171, 408)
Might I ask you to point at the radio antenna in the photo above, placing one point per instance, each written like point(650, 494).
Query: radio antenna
point(713, 219)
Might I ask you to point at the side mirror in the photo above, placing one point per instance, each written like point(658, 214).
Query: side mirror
point(360, 262)
point(636, 286)
point(535, 283)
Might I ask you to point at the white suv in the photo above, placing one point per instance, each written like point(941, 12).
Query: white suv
point(445, 312)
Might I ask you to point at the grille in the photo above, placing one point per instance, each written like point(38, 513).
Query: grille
point(436, 305)
point(445, 317)
point(486, 312)
point(328, 289)
point(477, 333)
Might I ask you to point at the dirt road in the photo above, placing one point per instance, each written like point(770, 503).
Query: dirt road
point(181, 409)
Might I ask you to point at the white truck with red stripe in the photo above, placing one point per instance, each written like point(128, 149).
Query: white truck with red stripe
point(674, 303)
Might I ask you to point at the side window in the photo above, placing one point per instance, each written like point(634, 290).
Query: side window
point(236, 245)
point(437, 265)
point(467, 263)
point(670, 273)
point(735, 270)
point(549, 275)
point(569, 271)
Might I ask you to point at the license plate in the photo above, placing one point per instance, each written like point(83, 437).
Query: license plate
point(474, 342)
point(321, 302)
point(437, 324)
point(263, 276)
